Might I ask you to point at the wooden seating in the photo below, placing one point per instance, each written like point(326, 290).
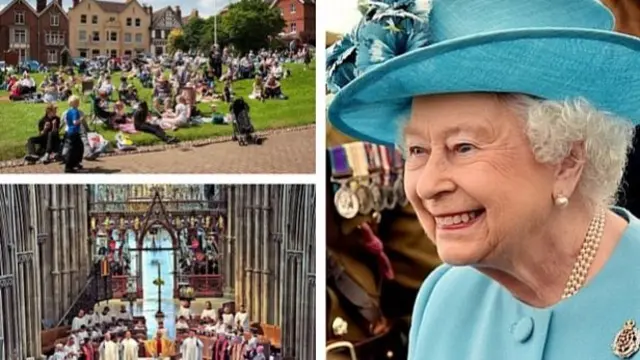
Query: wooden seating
point(53, 336)
point(273, 334)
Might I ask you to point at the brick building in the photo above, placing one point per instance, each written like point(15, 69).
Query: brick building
point(35, 34)
point(299, 17)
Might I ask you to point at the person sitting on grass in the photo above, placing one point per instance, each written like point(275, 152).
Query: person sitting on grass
point(47, 142)
point(140, 121)
point(180, 118)
point(272, 89)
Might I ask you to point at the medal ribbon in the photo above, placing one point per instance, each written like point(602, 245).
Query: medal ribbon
point(374, 245)
point(339, 164)
point(360, 164)
point(384, 159)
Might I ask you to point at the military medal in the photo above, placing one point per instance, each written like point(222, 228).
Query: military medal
point(357, 152)
point(374, 172)
point(388, 196)
point(345, 200)
point(627, 341)
point(398, 186)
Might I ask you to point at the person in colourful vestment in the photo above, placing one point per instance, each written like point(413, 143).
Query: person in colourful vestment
point(159, 346)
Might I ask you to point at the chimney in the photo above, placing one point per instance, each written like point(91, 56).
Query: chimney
point(75, 3)
point(178, 13)
point(150, 10)
point(40, 5)
point(194, 13)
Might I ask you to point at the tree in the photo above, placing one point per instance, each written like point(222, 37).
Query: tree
point(176, 41)
point(209, 35)
point(251, 23)
point(193, 33)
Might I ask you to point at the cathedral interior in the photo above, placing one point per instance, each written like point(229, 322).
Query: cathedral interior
point(149, 248)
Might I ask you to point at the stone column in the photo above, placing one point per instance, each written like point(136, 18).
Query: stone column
point(55, 250)
point(267, 208)
point(65, 253)
point(45, 249)
point(37, 296)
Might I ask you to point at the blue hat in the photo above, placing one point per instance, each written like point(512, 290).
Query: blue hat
point(551, 49)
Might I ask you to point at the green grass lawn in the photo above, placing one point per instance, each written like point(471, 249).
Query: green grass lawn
point(18, 121)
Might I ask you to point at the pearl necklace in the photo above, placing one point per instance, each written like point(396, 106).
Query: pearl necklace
point(587, 254)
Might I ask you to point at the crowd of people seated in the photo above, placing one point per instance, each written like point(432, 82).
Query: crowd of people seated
point(227, 336)
point(192, 80)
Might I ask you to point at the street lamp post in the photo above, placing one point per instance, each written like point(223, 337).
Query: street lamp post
point(215, 23)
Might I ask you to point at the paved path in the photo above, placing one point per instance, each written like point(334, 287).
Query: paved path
point(292, 151)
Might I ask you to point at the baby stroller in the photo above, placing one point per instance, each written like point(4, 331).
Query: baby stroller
point(243, 130)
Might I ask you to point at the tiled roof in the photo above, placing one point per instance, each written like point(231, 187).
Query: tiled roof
point(157, 15)
point(112, 7)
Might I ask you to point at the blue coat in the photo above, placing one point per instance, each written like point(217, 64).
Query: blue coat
point(461, 314)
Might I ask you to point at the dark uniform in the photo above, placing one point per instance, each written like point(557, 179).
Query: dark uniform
point(375, 310)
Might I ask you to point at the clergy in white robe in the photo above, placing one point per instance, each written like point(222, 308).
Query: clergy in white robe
point(129, 347)
point(227, 317)
point(109, 350)
point(93, 318)
point(209, 312)
point(182, 324)
point(242, 319)
point(191, 348)
point(72, 349)
point(78, 321)
point(106, 317)
point(185, 311)
point(60, 354)
point(124, 315)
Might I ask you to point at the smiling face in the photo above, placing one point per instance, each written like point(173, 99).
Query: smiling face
point(472, 177)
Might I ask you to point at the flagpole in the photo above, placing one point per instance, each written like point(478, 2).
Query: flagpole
point(215, 23)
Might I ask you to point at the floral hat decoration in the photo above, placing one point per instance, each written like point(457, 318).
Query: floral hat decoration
point(550, 49)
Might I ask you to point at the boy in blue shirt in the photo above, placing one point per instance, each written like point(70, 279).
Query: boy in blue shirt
point(73, 139)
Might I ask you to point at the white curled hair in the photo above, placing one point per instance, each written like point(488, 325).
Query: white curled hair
point(552, 127)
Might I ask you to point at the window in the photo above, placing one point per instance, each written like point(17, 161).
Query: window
point(20, 36)
point(129, 22)
point(293, 27)
point(96, 36)
point(137, 22)
point(52, 56)
point(53, 38)
point(113, 36)
point(138, 38)
point(82, 35)
point(55, 19)
point(83, 19)
point(19, 17)
point(127, 37)
point(293, 7)
point(114, 53)
point(94, 19)
point(158, 34)
point(95, 53)
point(83, 54)
point(112, 19)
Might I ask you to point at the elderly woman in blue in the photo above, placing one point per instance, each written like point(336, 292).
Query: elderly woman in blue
point(515, 118)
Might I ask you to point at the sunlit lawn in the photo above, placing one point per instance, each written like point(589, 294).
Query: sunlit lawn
point(19, 120)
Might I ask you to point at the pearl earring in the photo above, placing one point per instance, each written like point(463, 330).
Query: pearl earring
point(561, 201)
